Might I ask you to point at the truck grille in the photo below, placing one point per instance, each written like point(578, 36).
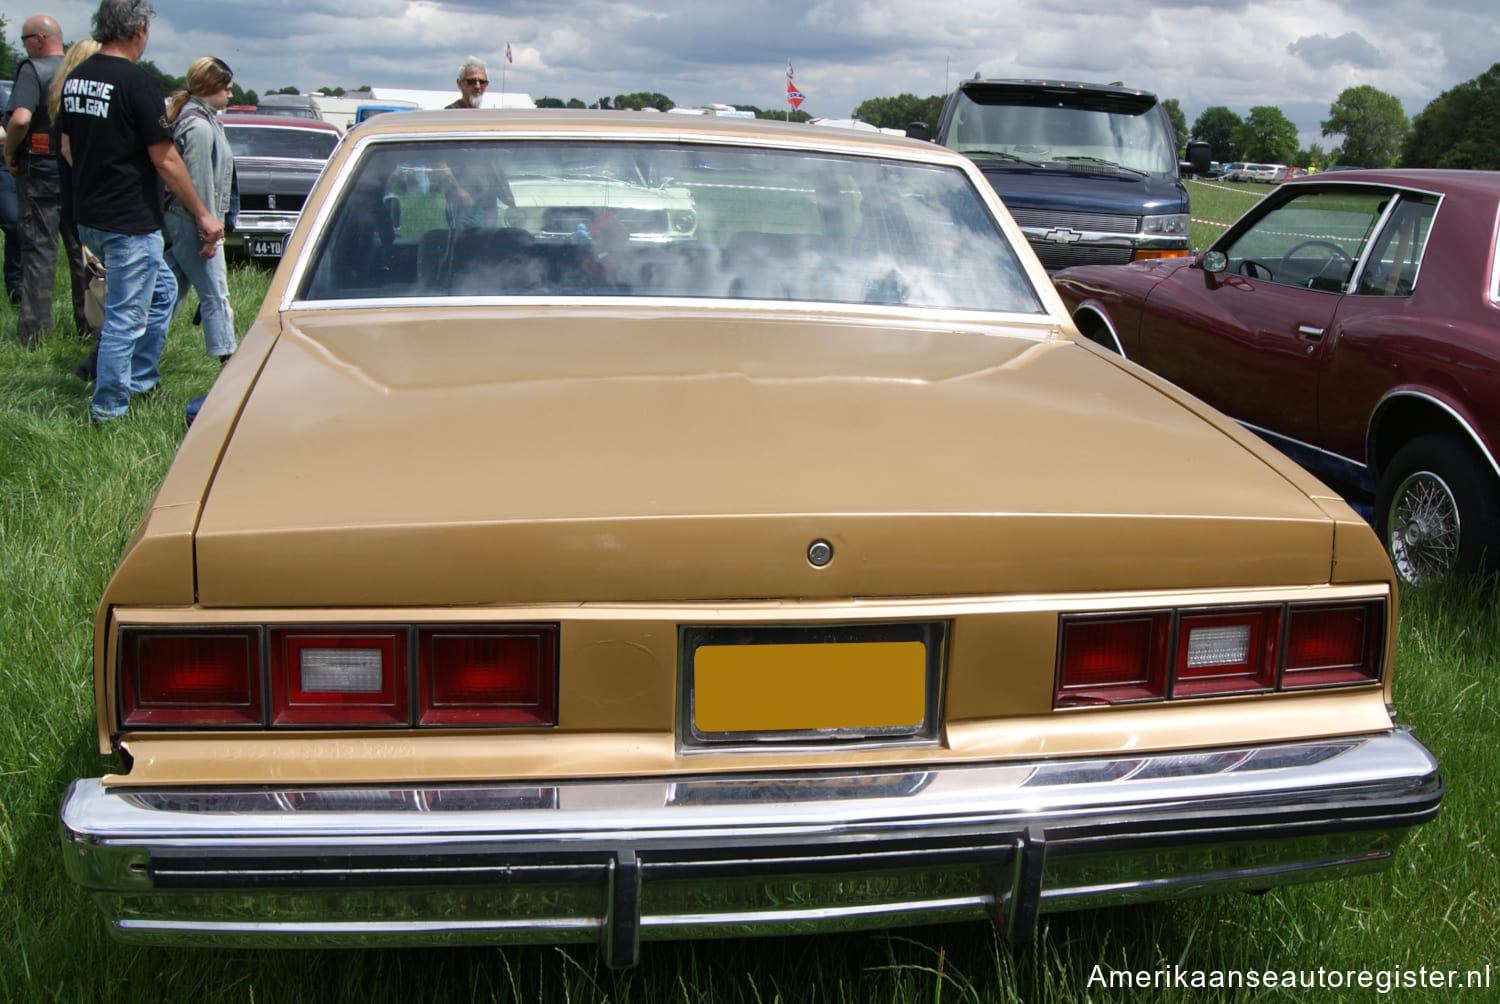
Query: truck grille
point(1107, 223)
point(1056, 256)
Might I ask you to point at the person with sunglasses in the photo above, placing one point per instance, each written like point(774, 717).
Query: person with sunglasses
point(473, 78)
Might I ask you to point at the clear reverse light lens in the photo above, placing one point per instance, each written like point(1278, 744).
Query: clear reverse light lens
point(1218, 646)
point(340, 670)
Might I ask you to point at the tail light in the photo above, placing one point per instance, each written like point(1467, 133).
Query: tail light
point(190, 678)
point(363, 676)
point(339, 677)
point(476, 676)
point(1169, 654)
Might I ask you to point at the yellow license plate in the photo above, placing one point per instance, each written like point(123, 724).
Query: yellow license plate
point(802, 687)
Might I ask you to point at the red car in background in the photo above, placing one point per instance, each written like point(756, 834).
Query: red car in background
point(1354, 322)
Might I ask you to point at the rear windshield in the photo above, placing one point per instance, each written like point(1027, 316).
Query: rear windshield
point(505, 217)
point(279, 143)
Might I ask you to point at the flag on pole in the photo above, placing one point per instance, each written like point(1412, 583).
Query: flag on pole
point(794, 97)
point(789, 69)
point(508, 58)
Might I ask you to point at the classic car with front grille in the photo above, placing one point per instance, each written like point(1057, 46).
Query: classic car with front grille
point(1353, 320)
point(805, 573)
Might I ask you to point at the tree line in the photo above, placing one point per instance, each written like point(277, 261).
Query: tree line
point(1460, 128)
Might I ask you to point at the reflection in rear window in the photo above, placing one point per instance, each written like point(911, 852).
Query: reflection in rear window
point(579, 218)
point(282, 144)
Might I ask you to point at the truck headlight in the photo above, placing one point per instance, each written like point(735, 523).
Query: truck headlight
point(1173, 224)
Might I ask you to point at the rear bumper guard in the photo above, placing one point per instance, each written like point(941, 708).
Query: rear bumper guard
point(619, 861)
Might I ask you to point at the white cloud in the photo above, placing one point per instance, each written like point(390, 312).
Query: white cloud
point(1294, 54)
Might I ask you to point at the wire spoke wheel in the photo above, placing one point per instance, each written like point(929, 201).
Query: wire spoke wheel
point(1425, 529)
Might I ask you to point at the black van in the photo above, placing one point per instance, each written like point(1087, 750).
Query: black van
point(1089, 171)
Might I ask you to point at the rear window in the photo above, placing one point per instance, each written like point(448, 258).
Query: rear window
point(280, 144)
point(525, 218)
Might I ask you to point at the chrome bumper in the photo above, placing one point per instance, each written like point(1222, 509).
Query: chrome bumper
point(623, 860)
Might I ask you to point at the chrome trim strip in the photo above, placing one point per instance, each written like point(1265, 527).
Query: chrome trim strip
point(1268, 434)
point(802, 852)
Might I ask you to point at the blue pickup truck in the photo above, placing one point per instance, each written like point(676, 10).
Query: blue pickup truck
point(1089, 171)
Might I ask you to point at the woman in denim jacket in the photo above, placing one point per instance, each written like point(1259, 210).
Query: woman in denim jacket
point(200, 139)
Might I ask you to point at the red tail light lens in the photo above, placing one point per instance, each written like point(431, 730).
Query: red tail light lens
point(1106, 660)
point(354, 676)
point(190, 678)
point(1170, 654)
point(487, 675)
point(1330, 645)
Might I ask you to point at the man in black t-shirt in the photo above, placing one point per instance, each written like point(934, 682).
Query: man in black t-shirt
point(32, 158)
point(115, 137)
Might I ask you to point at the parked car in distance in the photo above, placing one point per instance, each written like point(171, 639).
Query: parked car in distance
point(370, 110)
point(522, 585)
point(1353, 319)
point(1264, 173)
point(302, 106)
point(1231, 171)
point(277, 159)
point(1288, 173)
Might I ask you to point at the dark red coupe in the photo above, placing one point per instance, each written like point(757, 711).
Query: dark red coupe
point(1353, 321)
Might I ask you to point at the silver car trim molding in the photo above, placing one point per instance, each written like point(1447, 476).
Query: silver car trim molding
point(618, 861)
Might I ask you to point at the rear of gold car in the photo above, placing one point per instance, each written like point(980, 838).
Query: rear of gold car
point(498, 622)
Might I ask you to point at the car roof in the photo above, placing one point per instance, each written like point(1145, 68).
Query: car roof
point(563, 123)
point(280, 121)
point(1485, 183)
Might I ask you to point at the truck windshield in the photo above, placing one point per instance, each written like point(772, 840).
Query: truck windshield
point(1044, 131)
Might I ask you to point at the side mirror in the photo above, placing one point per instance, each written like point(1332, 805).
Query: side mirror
point(1199, 157)
point(918, 130)
point(1215, 262)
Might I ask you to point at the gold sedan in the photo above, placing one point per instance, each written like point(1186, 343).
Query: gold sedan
point(807, 574)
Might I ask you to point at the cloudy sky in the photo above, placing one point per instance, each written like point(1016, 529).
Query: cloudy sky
point(1294, 54)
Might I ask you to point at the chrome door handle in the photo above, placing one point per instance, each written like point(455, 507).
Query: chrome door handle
point(1308, 331)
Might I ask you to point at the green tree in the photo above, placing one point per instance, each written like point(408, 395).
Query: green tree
point(1460, 128)
point(332, 92)
point(575, 103)
point(1373, 124)
point(1219, 128)
point(899, 111)
point(10, 58)
point(546, 102)
point(643, 99)
point(1267, 135)
point(1314, 157)
point(1179, 123)
point(169, 84)
point(285, 90)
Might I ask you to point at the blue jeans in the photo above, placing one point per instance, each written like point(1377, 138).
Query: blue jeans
point(208, 277)
point(138, 298)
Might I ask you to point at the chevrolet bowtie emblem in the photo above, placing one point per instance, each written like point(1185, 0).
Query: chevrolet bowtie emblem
point(270, 202)
point(1062, 235)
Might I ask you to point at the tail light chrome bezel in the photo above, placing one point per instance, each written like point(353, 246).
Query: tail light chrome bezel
point(257, 677)
point(1273, 632)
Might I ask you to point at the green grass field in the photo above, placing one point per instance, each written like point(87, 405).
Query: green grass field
point(69, 496)
point(1217, 204)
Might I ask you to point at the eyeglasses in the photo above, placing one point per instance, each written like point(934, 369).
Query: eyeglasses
point(35, 34)
point(476, 81)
